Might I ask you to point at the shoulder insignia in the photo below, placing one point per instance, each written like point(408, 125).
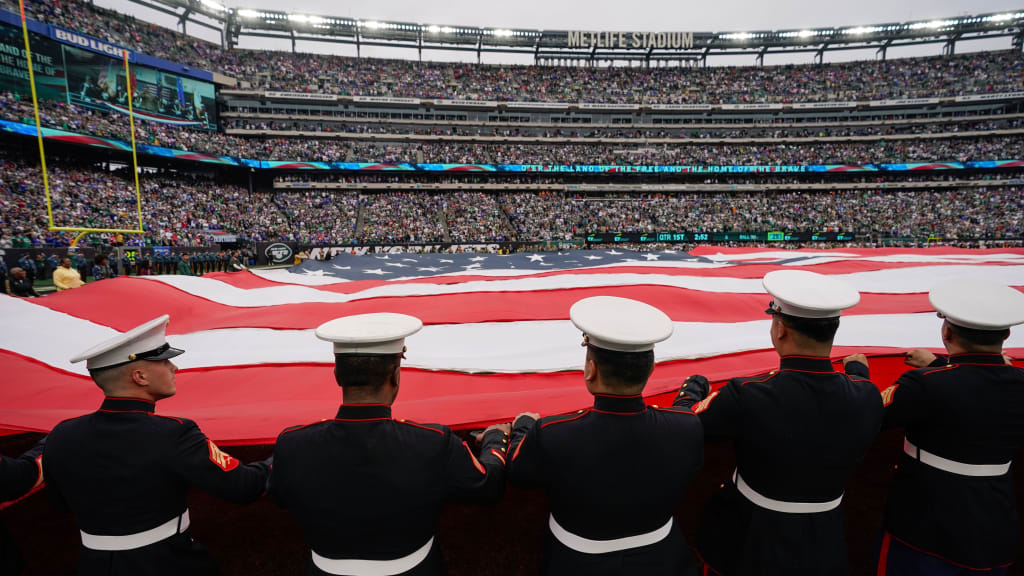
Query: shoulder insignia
point(566, 418)
point(941, 369)
point(223, 460)
point(298, 427)
point(674, 409)
point(430, 427)
point(887, 395)
point(703, 404)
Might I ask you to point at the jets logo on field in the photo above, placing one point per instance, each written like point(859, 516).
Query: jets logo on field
point(279, 253)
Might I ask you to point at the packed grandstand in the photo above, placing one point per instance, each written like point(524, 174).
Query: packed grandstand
point(343, 151)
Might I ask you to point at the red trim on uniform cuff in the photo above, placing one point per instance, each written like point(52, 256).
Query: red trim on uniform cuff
point(883, 555)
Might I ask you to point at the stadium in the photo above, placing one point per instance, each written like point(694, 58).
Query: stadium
point(255, 194)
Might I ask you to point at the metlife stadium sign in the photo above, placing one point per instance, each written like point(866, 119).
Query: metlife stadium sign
point(629, 40)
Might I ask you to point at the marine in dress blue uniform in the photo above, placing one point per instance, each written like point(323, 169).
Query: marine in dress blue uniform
point(367, 488)
point(798, 433)
point(124, 471)
point(615, 472)
point(951, 508)
point(18, 477)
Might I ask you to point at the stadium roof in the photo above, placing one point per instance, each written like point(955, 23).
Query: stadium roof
point(585, 45)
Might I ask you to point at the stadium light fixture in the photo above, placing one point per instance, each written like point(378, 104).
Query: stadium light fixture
point(433, 29)
point(246, 13)
point(503, 33)
point(214, 5)
point(863, 30)
point(1001, 17)
point(737, 36)
point(806, 33)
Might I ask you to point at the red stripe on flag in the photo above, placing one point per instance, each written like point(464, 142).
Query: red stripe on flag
point(252, 404)
point(123, 303)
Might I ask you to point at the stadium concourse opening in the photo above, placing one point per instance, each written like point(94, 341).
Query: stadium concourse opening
point(486, 200)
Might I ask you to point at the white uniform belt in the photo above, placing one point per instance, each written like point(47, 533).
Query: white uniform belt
point(353, 567)
point(953, 466)
point(588, 546)
point(781, 505)
point(164, 531)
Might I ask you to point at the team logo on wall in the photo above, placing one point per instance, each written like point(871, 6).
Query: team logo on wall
point(279, 253)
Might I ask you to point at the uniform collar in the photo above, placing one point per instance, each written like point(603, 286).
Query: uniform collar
point(807, 364)
point(364, 411)
point(619, 404)
point(977, 358)
point(111, 404)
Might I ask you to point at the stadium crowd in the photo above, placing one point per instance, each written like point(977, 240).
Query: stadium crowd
point(868, 80)
point(187, 210)
point(687, 151)
point(340, 129)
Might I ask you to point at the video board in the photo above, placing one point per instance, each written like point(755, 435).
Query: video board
point(93, 78)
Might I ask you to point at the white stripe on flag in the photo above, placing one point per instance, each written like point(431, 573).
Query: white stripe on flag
point(889, 281)
point(539, 346)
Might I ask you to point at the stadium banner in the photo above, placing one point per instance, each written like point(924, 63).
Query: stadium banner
point(702, 237)
point(628, 40)
point(26, 129)
point(300, 96)
point(761, 106)
point(279, 253)
point(467, 103)
point(680, 107)
point(75, 69)
point(823, 105)
point(109, 143)
point(385, 100)
point(990, 97)
point(904, 102)
point(538, 105)
point(598, 106)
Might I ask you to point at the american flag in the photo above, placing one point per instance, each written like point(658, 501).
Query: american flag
point(497, 339)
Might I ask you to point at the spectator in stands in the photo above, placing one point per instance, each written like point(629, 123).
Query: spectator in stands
point(20, 284)
point(65, 277)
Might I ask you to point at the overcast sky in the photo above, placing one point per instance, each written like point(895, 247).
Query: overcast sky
point(616, 15)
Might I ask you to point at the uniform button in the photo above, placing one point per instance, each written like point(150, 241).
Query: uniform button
point(684, 384)
point(579, 411)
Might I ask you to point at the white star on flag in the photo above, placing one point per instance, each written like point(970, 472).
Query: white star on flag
point(378, 272)
point(535, 258)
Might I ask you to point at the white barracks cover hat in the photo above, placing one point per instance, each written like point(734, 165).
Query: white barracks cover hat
point(145, 342)
point(620, 324)
point(806, 294)
point(978, 304)
point(378, 333)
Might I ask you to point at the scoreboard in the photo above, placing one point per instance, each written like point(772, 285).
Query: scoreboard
point(701, 237)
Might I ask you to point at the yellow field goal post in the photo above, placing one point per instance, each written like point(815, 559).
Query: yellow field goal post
point(42, 151)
